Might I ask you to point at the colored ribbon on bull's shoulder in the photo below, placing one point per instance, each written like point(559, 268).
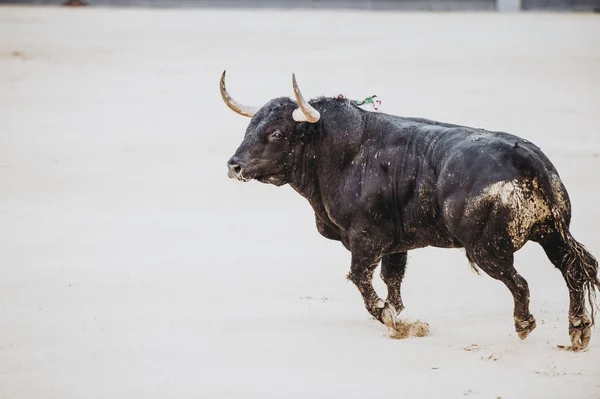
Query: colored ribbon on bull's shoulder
point(373, 100)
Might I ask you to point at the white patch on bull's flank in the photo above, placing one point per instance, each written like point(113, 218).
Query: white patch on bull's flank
point(525, 202)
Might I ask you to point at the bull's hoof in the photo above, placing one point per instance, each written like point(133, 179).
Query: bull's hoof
point(524, 327)
point(580, 331)
point(389, 317)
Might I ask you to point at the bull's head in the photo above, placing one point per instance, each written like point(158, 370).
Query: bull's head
point(271, 141)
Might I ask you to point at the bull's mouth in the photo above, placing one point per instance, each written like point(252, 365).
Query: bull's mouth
point(239, 176)
point(244, 174)
point(244, 177)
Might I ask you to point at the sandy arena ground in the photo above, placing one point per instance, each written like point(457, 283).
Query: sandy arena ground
point(132, 267)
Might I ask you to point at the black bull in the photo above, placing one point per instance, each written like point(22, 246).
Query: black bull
point(383, 185)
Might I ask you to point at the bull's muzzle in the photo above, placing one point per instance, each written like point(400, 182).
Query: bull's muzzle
point(236, 171)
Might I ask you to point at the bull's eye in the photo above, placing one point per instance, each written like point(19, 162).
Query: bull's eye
point(277, 135)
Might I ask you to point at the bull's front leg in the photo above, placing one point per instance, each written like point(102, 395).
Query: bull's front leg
point(361, 274)
point(393, 267)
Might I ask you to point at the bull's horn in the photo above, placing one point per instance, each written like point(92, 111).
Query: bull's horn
point(305, 112)
point(234, 105)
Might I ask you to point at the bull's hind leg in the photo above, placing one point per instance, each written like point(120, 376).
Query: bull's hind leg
point(502, 269)
point(578, 268)
point(392, 273)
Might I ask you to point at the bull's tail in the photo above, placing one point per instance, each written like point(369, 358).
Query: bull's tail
point(582, 267)
point(579, 266)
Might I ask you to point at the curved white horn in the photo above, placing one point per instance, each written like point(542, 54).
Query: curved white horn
point(234, 105)
point(305, 112)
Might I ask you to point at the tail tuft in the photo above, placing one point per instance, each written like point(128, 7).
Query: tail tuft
point(581, 267)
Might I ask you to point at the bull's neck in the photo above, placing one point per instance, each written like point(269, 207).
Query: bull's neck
point(320, 161)
point(304, 175)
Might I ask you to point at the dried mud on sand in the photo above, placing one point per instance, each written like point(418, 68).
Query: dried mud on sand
point(406, 329)
point(133, 267)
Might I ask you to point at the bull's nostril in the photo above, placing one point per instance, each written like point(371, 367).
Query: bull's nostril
point(235, 169)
